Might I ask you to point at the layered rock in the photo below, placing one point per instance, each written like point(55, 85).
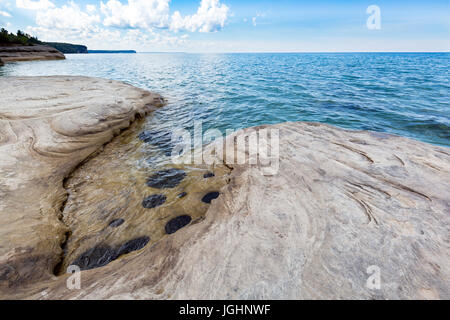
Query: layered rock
point(343, 208)
point(48, 126)
point(12, 53)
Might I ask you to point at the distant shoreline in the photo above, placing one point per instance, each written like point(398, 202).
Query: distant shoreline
point(111, 51)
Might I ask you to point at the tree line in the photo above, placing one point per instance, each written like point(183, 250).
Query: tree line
point(20, 37)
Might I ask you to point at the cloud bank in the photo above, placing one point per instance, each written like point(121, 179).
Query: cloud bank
point(144, 21)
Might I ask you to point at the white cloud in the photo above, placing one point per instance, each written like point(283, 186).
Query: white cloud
point(34, 5)
point(144, 14)
point(211, 16)
point(111, 24)
point(91, 8)
point(68, 17)
point(5, 14)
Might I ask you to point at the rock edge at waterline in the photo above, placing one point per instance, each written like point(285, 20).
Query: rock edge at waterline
point(14, 53)
point(344, 208)
point(49, 125)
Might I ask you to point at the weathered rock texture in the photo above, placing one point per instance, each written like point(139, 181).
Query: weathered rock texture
point(49, 125)
point(121, 183)
point(342, 201)
point(13, 53)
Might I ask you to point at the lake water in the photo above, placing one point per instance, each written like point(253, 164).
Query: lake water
point(405, 94)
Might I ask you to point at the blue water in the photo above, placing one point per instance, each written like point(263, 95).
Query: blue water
point(407, 94)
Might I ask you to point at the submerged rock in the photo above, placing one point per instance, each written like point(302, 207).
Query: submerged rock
point(133, 245)
point(177, 223)
point(160, 139)
point(102, 255)
point(182, 195)
point(95, 258)
point(169, 178)
point(207, 198)
point(116, 222)
point(208, 175)
point(154, 201)
point(48, 126)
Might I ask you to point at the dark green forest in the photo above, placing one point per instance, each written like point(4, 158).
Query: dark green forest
point(20, 37)
point(67, 47)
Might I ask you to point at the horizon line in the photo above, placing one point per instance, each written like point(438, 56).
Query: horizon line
point(279, 52)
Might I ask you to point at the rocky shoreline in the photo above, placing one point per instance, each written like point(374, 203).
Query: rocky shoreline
point(48, 126)
point(341, 203)
point(14, 53)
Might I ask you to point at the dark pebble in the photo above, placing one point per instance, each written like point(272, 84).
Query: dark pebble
point(153, 201)
point(102, 255)
point(208, 175)
point(116, 222)
point(133, 245)
point(210, 196)
point(161, 139)
point(169, 178)
point(182, 195)
point(95, 258)
point(177, 223)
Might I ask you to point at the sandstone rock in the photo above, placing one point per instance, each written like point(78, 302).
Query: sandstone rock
point(48, 126)
point(342, 201)
point(14, 53)
point(177, 223)
point(343, 204)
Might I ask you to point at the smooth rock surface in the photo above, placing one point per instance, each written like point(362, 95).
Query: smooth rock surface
point(341, 202)
point(29, 53)
point(48, 126)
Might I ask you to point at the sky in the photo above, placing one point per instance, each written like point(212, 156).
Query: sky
point(236, 25)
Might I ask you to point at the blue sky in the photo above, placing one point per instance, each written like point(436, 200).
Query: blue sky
point(234, 25)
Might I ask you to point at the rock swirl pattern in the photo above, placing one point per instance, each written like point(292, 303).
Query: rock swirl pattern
point(48, 126)
point(341, 202)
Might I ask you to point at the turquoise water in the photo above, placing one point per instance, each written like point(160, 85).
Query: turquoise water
point(406, 94)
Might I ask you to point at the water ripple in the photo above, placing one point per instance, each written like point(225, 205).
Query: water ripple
point(404, 94)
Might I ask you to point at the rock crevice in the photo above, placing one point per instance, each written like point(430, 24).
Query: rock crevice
point(340, 205)
point(41, 144)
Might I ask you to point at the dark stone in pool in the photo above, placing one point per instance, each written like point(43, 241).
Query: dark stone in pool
point(210, 196)
point(182, 195)
point(102, 255)
point(177, 223)
point(153, 136)
point(116, 222)
point(96, 257)
point(162, 139)
point(208, 175)
point(168, 178)
point(133, 245)
point(153, 201)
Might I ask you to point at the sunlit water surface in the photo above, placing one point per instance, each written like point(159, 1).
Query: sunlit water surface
point(406, 94)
